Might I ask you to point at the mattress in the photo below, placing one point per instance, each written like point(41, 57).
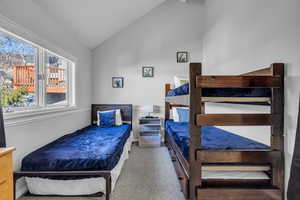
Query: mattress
point(223, 92)
point(89, 149)
point(86, 186)
point(212, 138)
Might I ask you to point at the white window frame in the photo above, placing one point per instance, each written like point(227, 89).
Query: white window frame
point(41, 106)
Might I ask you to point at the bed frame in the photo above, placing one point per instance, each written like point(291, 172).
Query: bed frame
point(126, 112)
point(270, 161)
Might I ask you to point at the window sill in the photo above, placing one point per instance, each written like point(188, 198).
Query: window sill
point(37, 112)
point(28, 117)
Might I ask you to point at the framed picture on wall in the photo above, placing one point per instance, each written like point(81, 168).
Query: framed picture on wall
point(148, 72)
point(182, 57)
point(117, 82)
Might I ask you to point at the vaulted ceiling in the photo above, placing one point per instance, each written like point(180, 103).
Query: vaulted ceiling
point(94, 21)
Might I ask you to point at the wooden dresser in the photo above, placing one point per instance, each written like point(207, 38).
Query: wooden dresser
point(6, 174)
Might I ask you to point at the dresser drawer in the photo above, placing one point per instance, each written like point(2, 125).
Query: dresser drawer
point(5, 163)
point(144, 128)
point(4, 191)
point(149, 140)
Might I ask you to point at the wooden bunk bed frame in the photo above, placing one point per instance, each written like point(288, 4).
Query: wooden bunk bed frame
point(189, 172)
point(126, 110)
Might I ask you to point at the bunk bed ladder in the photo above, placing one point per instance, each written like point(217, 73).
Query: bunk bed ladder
point(274, 157)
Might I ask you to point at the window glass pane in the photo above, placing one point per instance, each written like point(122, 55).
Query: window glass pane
point(56, 79)
point(18, 61)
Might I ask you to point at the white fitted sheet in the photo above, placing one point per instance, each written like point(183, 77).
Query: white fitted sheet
point(44, 186)
point(179, 100)
point(234, 175)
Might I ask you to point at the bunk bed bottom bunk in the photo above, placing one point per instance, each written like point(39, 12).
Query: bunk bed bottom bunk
point(214, 175)
point(212, 138)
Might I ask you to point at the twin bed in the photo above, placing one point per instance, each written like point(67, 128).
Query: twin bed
point(86, 162)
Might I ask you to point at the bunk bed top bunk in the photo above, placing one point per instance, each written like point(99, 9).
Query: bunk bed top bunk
point(222, 92)
point(256, 95)
point(265, 85)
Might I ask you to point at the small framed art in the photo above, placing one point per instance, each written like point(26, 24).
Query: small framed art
point(182, 57)
point(117, 82)
point(148, 72)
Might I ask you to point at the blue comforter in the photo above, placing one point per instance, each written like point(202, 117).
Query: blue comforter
point(92, 148)
point(223, 92)
point(212, 138)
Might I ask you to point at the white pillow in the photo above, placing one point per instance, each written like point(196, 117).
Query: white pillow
point(180, 80)
point(118, 117)
point(119, 121)
point(175, 114)
point(171, 114)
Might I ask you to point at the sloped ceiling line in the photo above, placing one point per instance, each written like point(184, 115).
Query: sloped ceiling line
point(94, 21)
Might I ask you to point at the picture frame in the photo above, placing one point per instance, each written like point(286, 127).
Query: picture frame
point(182, 57)
point(117, 82)
point(148, 72)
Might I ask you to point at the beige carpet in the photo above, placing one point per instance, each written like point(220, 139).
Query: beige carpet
point(147, 175)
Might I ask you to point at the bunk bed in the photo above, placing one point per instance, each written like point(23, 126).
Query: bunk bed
point(89, 159)
point(199, 164)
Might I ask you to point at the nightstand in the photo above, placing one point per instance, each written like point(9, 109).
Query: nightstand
point(150, 132)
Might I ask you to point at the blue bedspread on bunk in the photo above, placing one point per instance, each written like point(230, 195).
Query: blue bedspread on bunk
point(223, 92)
point(92, 148)
point(212, 138)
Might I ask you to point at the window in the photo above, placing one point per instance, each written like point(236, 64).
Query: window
point(56, 79)
point(32, 77)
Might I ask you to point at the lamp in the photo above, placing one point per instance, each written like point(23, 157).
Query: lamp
point(149, 109)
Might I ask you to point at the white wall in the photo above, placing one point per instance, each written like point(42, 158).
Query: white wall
point(258, 133)
point(151, 41)
point(30, 133)
point(244, 35)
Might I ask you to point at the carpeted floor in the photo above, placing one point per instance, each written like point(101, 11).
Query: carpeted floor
point(147, 175)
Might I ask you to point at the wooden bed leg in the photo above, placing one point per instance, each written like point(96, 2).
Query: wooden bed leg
point(108, 187)
point(14, 189)
point(15, 178)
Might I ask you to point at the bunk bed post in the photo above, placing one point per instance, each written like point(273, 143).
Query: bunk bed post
point(277, 130)
point(167, 110)
point(167, 104)
point(195, 134)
